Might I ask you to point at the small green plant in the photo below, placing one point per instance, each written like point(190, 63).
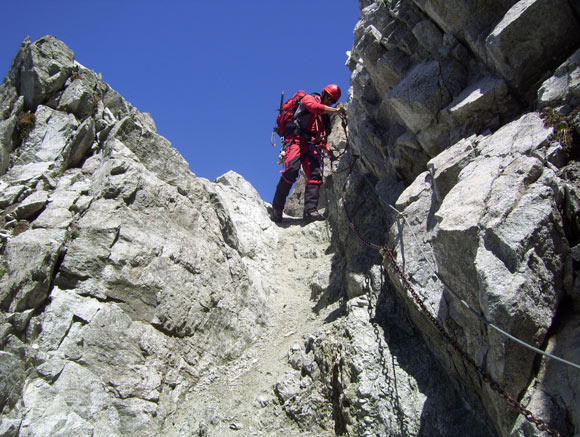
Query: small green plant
point(75, 76)
point(563, 125)
point(74, 232)
point(96, 101)
point(24, 126)
point(3, 270)
point(21, 226)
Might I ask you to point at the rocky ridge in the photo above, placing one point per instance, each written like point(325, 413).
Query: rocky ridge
point(125, 278)
point(464, 117)
point(139, 299)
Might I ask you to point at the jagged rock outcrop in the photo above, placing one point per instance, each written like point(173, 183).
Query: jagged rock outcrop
point(123, 276)
point(463, 116)
point(139, 299)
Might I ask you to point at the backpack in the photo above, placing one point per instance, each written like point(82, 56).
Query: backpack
point(285, 123)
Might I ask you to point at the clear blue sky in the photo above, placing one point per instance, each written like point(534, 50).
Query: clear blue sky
point(209, 72)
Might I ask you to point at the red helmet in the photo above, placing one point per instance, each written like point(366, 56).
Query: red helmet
point(333, 91)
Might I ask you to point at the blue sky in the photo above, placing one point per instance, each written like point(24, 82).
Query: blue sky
point(209, 72)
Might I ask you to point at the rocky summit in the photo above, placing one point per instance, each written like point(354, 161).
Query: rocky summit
point(440, 298)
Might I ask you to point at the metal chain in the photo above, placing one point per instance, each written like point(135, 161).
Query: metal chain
point(346, 147)
point(344, 125)
point(387, 253)
point(540, 423)
point(390, 380)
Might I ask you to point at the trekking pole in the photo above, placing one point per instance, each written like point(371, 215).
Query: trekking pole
point(281, 102)
point(273, 138)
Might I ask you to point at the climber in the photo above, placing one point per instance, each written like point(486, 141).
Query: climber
point(305, 147)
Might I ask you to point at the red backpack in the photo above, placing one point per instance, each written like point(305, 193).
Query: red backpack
point(285, 124)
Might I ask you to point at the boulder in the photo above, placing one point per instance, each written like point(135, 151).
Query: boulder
point(418, 98)
point(551, 30)
point(45, 66)
point(31, 258)
point(564, 86)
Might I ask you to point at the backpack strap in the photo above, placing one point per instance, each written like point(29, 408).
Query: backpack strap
point(301, 117)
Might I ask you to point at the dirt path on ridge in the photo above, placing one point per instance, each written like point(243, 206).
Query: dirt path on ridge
point(238, 399)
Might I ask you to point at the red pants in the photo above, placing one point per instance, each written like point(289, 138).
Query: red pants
point(306, 155)
point(310, 159)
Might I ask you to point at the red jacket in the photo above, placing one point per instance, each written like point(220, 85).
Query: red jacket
point(316, 122)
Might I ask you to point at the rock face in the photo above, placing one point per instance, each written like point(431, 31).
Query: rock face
point(464, 117)
point(139, 299)
point(123, 276)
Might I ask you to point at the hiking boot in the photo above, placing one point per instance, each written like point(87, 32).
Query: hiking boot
point(313, 216)
point(276, 215)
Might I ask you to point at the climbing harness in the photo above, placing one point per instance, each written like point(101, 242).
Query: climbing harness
point(388, 255)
